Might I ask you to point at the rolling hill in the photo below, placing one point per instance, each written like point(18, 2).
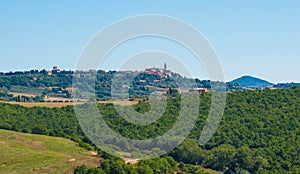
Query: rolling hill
point(28, 153)
point(251, 82)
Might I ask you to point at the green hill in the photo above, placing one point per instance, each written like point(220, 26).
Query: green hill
point(259, 132)
point(27, 153)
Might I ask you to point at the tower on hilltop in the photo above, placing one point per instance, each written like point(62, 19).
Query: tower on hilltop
point(165, 69)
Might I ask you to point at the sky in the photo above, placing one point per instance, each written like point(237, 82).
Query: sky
point(258, 38)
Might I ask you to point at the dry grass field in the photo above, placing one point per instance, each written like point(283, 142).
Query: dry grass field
point(43, 104)
point(62, 104)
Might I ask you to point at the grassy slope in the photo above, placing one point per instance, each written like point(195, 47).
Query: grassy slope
point(27, 153)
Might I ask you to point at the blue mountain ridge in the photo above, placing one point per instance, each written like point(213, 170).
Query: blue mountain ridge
point(251, 82)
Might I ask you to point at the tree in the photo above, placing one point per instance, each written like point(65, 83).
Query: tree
point(145, 169)
point(81, 169)
point(39, 129)
point(220, 158)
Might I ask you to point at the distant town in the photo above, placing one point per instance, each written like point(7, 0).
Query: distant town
point(162, 72)
point(55, 85)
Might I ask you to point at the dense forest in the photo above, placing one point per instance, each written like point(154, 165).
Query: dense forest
point(259, 133)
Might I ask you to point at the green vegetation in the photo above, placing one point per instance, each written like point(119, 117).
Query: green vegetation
point(27, 153)
point(287, 85)
point(259, 132)
point(5, 96)
point(25, 89)
point(60, 122)
point(59, 85)
point(140, 85)
point(151, 166)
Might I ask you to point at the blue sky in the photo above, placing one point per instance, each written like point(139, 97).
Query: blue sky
point(259, 38)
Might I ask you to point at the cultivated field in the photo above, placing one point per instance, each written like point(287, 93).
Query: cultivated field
point(62, 104)
point(43, 104)
point(15, 94)
point(120, 102)
point(27, 153)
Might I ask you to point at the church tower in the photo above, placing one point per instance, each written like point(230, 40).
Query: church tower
point(165, 69)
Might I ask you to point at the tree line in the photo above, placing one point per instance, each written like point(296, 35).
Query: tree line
point(259, 132)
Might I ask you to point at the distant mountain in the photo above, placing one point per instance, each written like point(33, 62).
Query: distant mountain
point(251, 82)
